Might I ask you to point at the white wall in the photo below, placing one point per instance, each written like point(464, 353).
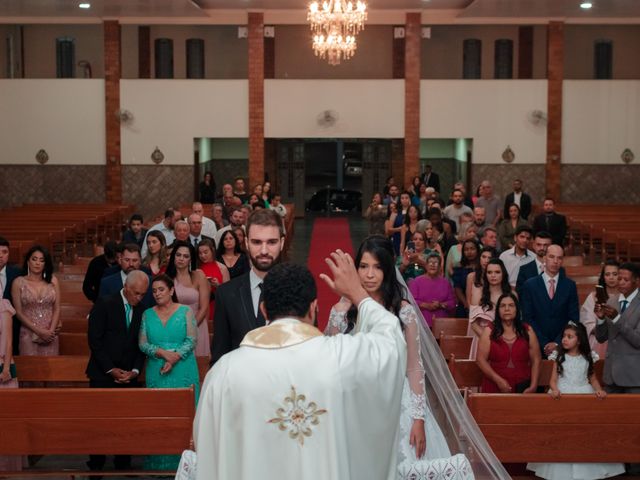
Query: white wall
point(494, 113)
point(64, 117)
point(600, 118)
point(365, 108)
point(169, 114)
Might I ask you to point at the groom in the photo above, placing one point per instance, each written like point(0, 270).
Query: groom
point(291, 403)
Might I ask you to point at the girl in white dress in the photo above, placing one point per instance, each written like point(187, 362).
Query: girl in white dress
point(574, 373)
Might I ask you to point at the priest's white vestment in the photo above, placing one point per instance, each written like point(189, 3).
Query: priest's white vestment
point(291, 403)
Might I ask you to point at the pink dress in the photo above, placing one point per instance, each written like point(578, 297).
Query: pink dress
point(13, 462)
point(483, 318)
point(39, 310)
point(191, 297)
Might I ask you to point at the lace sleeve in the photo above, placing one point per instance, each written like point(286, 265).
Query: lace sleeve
point(415, 367)
point(147, 348)
point(337, 321)
point(189, 343)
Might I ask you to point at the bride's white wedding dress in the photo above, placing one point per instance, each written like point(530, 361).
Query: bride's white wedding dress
point(437, 459)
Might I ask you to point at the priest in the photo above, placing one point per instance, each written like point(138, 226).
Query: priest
point(291, 403)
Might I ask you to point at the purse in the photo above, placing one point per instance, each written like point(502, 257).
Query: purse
point(451, 468)
point(187, 466)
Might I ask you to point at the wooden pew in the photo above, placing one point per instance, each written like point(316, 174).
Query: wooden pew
point(449, 326)
point(575, 428)
point(457, 345)
point(83, 421)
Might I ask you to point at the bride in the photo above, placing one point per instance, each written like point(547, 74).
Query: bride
point(424, 444)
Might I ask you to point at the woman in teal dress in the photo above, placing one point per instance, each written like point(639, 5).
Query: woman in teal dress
point(168, 336)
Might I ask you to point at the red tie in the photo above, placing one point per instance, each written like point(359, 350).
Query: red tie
point(552, 288)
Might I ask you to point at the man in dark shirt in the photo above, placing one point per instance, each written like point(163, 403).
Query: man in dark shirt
point(96, 269)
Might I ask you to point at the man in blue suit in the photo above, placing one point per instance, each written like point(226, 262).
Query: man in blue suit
point(8, 273)
point(550, 301)
point(129, 261)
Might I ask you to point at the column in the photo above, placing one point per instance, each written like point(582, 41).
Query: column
point(411, 98)
point(112, 71)
point(555, 76)
point(256, 99)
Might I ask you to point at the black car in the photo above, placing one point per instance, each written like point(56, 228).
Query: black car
point(339, 200)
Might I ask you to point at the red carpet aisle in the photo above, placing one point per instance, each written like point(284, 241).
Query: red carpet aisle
point(328, 235)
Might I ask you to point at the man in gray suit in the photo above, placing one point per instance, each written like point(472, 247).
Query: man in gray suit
point(619, 323)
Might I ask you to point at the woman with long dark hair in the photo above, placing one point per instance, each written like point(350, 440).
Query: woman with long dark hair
point(468, 263)
point(230, 253)
point(509, 354)
point(36, 298)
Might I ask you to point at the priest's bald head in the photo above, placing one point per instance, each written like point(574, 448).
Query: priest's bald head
point(289, 291)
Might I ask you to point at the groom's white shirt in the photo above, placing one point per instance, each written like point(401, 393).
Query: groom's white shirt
point(291, 403)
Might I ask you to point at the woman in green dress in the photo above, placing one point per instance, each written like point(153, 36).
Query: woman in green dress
point(168, 336)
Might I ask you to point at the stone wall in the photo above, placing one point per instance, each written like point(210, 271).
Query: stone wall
point(503, 175)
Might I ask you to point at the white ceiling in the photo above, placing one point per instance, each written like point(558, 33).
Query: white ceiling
point(627, 11)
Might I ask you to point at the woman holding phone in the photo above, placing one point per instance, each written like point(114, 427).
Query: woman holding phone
point(413, 261)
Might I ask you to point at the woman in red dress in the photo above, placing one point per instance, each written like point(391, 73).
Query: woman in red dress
point(509, 354)
point(216, 272)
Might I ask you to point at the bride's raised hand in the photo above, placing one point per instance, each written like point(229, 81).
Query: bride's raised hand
point(417, 437)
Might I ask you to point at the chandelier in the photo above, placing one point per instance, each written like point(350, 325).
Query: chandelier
point(334, 27)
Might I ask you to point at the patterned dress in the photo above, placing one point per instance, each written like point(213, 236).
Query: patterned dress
point(38, 309)
point(179, 334)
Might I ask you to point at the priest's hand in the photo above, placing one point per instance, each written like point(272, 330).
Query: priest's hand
point(417, 437)
point(346, 282)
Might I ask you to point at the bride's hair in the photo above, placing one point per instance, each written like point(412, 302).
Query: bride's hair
point(393, 293)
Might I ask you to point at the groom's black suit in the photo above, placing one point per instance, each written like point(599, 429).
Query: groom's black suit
point(234, 316)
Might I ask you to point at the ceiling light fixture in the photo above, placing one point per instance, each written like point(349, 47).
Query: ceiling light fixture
point(84, 5)
point(586, 5)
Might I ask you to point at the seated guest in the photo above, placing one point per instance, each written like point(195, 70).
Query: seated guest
point(36, 299)
point(413, 261)
point(468, 263)
point(551, 222)
point(207, 189)
point(508, 227)
point(509, 354)
point(95, 271)
point(433, 293)
point(129, 261)
point(518, 255)
point(209, 228)
point(192, 289)
point(135, 233)
point(231, 255)
point(168, 337)
point(218, 217)
point(550, 301)
point(157, 256)
point(541, 242)
point(609, 282)
point(116, 360)
point(166, 226)
point(215, 272)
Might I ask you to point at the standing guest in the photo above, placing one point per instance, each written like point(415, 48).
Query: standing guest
point(8, 273)
point(36, 298)
point(574, 373)
point(209, 227)
point(468, 263)
point(489, 237)
point(192, 289)
point(215, 272)
point(129, 261)
point(392, 213)
point(240, 234)
point(467, 199)
point(507, 228)
point(480, 217)
point(376, 214)
point(277, 206)
point(431, 179)
point(413, 261)
point(266, 193)
point(609, 282)
point(116, 361)
point(409, 227)
point(551, 222)
point(392, 196)
point(519, 198)
point(207, 189)
point(396, 229)
point(445, 236)
point(157, 256)
point(467, 232)
point(239, 191)
point(166, 226)
point(475, 280)
point(8, 376)
point(218, 217)
point(541, 241)
point(387, 185)
point(196, 235)
point(228, 199)
point(433, 292)
point(181, 232)
point(236, 219)
point(482, 309)
point(509, 354)
point(457, 208)
point(550, 301)
point(168, 337)
point(491, 203)
point(255, 201)
point(135, 233)
point(237, 300)
point(414, 191)
point(230, 253)
point(518, 255)
point(96, 269)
